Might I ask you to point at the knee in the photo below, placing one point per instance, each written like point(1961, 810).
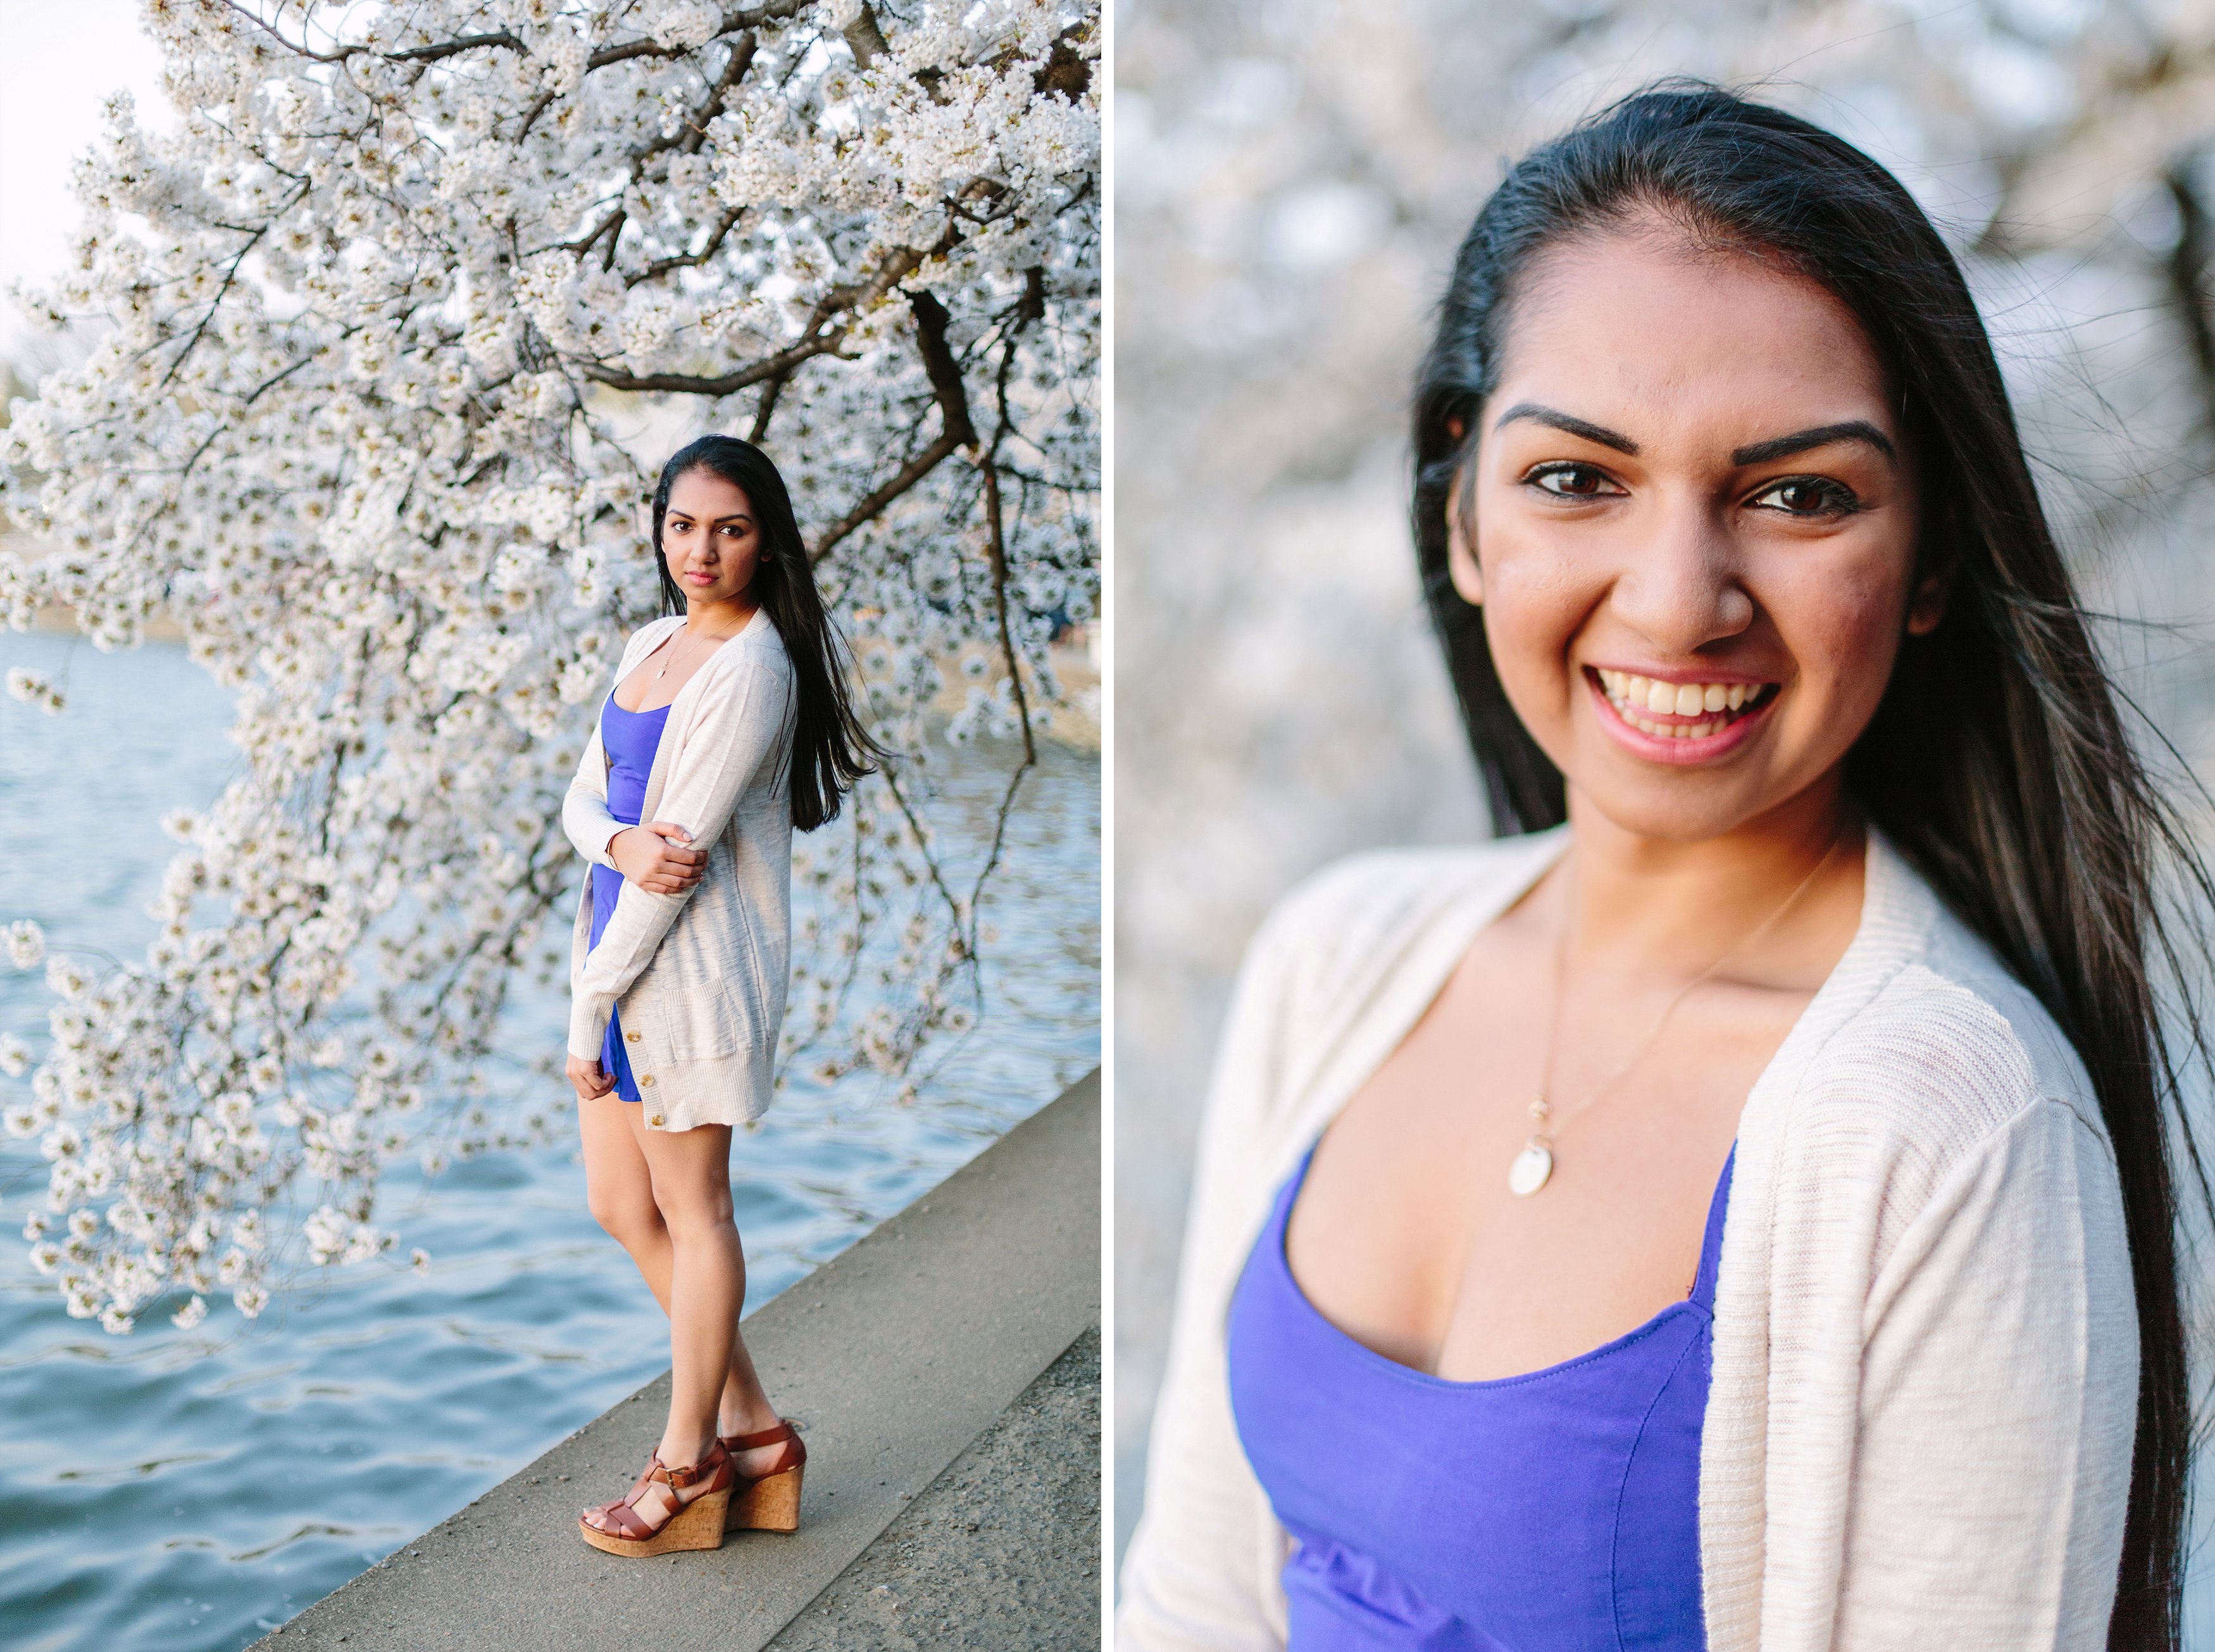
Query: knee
point(705, 1216)
point(629, 1219)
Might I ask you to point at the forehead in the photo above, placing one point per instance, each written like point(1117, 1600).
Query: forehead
point(701, 493)
point(1643, 331)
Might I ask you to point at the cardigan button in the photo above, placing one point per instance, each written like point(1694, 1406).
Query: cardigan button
point(633, 1037)
point(655, 1121)
point(645, 1078)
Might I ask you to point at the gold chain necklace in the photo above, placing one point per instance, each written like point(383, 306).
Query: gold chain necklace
point(1534, 1166)
point(680, 649)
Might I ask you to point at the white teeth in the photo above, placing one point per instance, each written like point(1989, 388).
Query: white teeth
point(1633, 694)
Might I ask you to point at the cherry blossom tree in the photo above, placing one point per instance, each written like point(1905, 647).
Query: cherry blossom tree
point(388, 338)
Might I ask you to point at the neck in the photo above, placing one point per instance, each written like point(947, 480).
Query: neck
point(720, 618)
point(1645, 904)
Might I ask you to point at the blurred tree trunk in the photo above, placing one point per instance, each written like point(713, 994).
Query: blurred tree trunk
point(2186, 271)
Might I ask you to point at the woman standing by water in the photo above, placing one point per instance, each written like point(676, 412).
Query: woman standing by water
point(1734, 1208)
point(728, 724)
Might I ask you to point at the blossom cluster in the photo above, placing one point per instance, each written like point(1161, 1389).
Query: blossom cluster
point(390, 334)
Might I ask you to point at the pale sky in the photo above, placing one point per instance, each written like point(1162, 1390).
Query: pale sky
point(57, 62)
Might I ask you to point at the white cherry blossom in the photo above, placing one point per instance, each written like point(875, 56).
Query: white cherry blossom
point(388, 337)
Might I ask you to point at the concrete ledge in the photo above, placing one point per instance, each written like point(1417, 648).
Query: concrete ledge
point(1002, 1552)
point(894, 1358)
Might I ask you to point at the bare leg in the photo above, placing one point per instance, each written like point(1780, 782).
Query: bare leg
point(692, 1188)
point(621, 1190)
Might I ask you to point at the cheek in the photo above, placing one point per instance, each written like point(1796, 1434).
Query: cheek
point(1536, 598)
point(1842, 632)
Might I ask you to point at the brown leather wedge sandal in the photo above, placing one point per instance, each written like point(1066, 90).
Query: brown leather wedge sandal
point(697, 1524)
point(767, 1502)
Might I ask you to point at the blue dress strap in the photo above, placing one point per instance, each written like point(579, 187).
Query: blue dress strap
point(1711, 1246)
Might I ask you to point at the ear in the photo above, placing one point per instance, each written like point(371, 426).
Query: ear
point(1462, 566)
point(1927, 608)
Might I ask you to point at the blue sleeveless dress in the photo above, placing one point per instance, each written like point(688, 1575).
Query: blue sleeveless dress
point(1556, 1509)
point(631, 738)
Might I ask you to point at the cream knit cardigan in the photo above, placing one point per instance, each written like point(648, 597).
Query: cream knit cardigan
point(1919, 1433)
point(701, 976)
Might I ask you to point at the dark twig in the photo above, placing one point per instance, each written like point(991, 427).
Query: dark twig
point(911, 473)
point(955, 428)
point(768, 367)
point(767, 407)
point(717, 236)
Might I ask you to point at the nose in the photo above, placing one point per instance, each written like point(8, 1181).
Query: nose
point(1679, 584)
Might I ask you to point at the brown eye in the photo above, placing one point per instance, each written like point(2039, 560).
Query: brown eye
point(1571, 482)
point(1808, 496)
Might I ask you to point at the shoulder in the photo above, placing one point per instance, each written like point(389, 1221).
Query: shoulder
point(756, 652)
point(1939, 1053)
point(1330, 939)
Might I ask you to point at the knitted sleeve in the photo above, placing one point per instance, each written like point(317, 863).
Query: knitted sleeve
point(739, 728)
point(1998, 1405)
point(1201, 1572)
point(1952, 1382)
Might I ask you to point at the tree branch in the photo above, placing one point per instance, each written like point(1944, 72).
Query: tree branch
point(743, 17)
point(997, 543)
point(956, 428)
point(271, 383)
point(864, 39)
point(661, 266)
point(691, 134)
point(814, 341)
point(944, 372)
point(911, 473)
point(770, 391)
point(222, 292)
point(441, 49)
point(688, 384)
point(2187, 270)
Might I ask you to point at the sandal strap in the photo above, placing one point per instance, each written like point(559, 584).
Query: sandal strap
point(624, 1521)
point(717, 1457)
point(793, 1454)
point(622, 1515)
point(760, 1437)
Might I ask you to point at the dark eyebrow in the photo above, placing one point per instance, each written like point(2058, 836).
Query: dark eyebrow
point(1778, 447)
point(713, 521)
point(1568, 422)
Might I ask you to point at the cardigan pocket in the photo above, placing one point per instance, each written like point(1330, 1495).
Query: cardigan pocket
point(713, 1019)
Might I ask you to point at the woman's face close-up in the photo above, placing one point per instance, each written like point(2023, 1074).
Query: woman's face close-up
point(1693, 528)
point(709, 537)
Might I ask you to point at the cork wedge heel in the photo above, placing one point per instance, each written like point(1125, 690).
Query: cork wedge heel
point(769, 1502)
point(696, 1524)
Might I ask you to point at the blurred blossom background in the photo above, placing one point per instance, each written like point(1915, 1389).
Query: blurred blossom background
point(1291, 178)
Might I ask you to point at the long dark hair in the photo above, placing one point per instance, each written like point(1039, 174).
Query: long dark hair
point(1997, 760)
point(830, 749)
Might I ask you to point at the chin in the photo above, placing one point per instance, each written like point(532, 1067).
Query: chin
point(1669, 815)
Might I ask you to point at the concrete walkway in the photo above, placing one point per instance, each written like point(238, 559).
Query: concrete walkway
point(1002, 1552)
point(894, 1358)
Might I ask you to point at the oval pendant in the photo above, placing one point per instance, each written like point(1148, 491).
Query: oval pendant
point(1530, 1170)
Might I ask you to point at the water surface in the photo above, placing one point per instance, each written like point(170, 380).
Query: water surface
point(187, 1491)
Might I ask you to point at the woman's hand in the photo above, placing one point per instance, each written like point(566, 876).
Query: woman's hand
point(653, 856)
point(588, 1078)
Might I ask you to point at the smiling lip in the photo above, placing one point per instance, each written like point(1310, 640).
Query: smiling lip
point(1709, 726)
